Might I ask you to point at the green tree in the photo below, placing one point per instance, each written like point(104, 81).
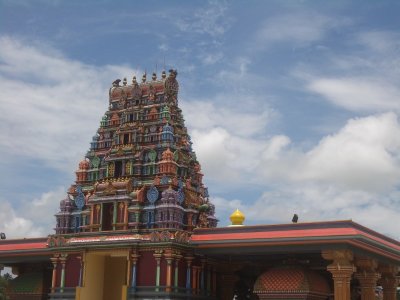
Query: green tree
point(3, 284)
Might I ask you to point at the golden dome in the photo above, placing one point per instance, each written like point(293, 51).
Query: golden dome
point(237, 218)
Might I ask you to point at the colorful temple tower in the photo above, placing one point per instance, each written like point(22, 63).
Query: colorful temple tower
point(139, 183)
point(140, 173)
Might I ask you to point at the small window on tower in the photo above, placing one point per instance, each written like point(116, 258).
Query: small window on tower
point(126, 138)
point(118, 169)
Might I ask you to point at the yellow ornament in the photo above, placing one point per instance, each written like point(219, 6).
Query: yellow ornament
point(237, 218)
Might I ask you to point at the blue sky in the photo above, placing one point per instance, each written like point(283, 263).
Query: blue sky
point(293, 106)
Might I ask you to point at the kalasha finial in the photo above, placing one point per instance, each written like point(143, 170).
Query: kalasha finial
point(154, 77)
point(125, 81)
point(237, 218)
point(134, 80)
point(144, 78)
point(164, 74)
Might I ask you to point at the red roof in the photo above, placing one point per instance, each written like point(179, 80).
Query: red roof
point(23, 244)
point(303, 234)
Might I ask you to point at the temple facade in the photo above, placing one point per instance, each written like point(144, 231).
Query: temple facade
point(138, 223)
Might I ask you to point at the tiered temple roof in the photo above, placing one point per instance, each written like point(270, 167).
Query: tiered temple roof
point(140, 172)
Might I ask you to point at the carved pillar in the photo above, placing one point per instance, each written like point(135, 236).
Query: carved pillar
point(176, 273)
point(214, 281)
point(134, 259)
point(194, 277)
point(63, 260)
point(126, 216)
point(82, 265)
point(169, 258)
point(189, 260)
point(115, 212)
point(54, 261)
point(157, 254)
point(101, 216)
point(209, 278)
point(341, 269)
point(202, 274)
point(367, 276)
point(389, 281)
point(123, 168)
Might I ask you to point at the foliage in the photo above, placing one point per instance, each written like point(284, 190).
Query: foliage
point(3, 284)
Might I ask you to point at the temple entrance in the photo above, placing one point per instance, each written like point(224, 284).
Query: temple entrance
point(106, 222)
point(114, 277)
point(105, 276)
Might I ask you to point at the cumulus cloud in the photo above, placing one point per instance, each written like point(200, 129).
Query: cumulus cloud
point(364, 79)
point(33, 218)
point(351, 174)
point(51, 105)
point(327, 202)
point(15, 226)
point(359, 93)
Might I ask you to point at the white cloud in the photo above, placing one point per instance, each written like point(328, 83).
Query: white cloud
point(298, 29)
point(364, 79)
point(364, 154)
point(326, 202)
point(351, 174)
point(34, 218)
point(211, 20)
point(15, 226)
point(359, 93)
point(211, 58)
point(51, 105)
point(380, 41)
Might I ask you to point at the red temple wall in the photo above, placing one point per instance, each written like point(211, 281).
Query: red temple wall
point(72, 270)
point(146, 269)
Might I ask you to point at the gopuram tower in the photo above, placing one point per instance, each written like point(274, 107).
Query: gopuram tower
point(138, 195)
point(140, 173)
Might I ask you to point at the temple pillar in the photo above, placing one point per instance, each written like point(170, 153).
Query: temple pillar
point(214, 281)
point(82, 265)
point(194, 277)
point(91, 217)
point(169, 258)
point(126, 216)
point(101, 216)
point(202, 274)
point(389, 281)
point(54, 261)
point(115, 212)
point(63, 260)
point(176, 273)
point(341, 269)
point(367, 277)
point(209, 278)
point(123, 168)
point(189, 260)
point(134, 259)
point(157, 255)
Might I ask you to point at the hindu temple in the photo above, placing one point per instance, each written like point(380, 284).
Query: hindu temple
point(139, 223)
